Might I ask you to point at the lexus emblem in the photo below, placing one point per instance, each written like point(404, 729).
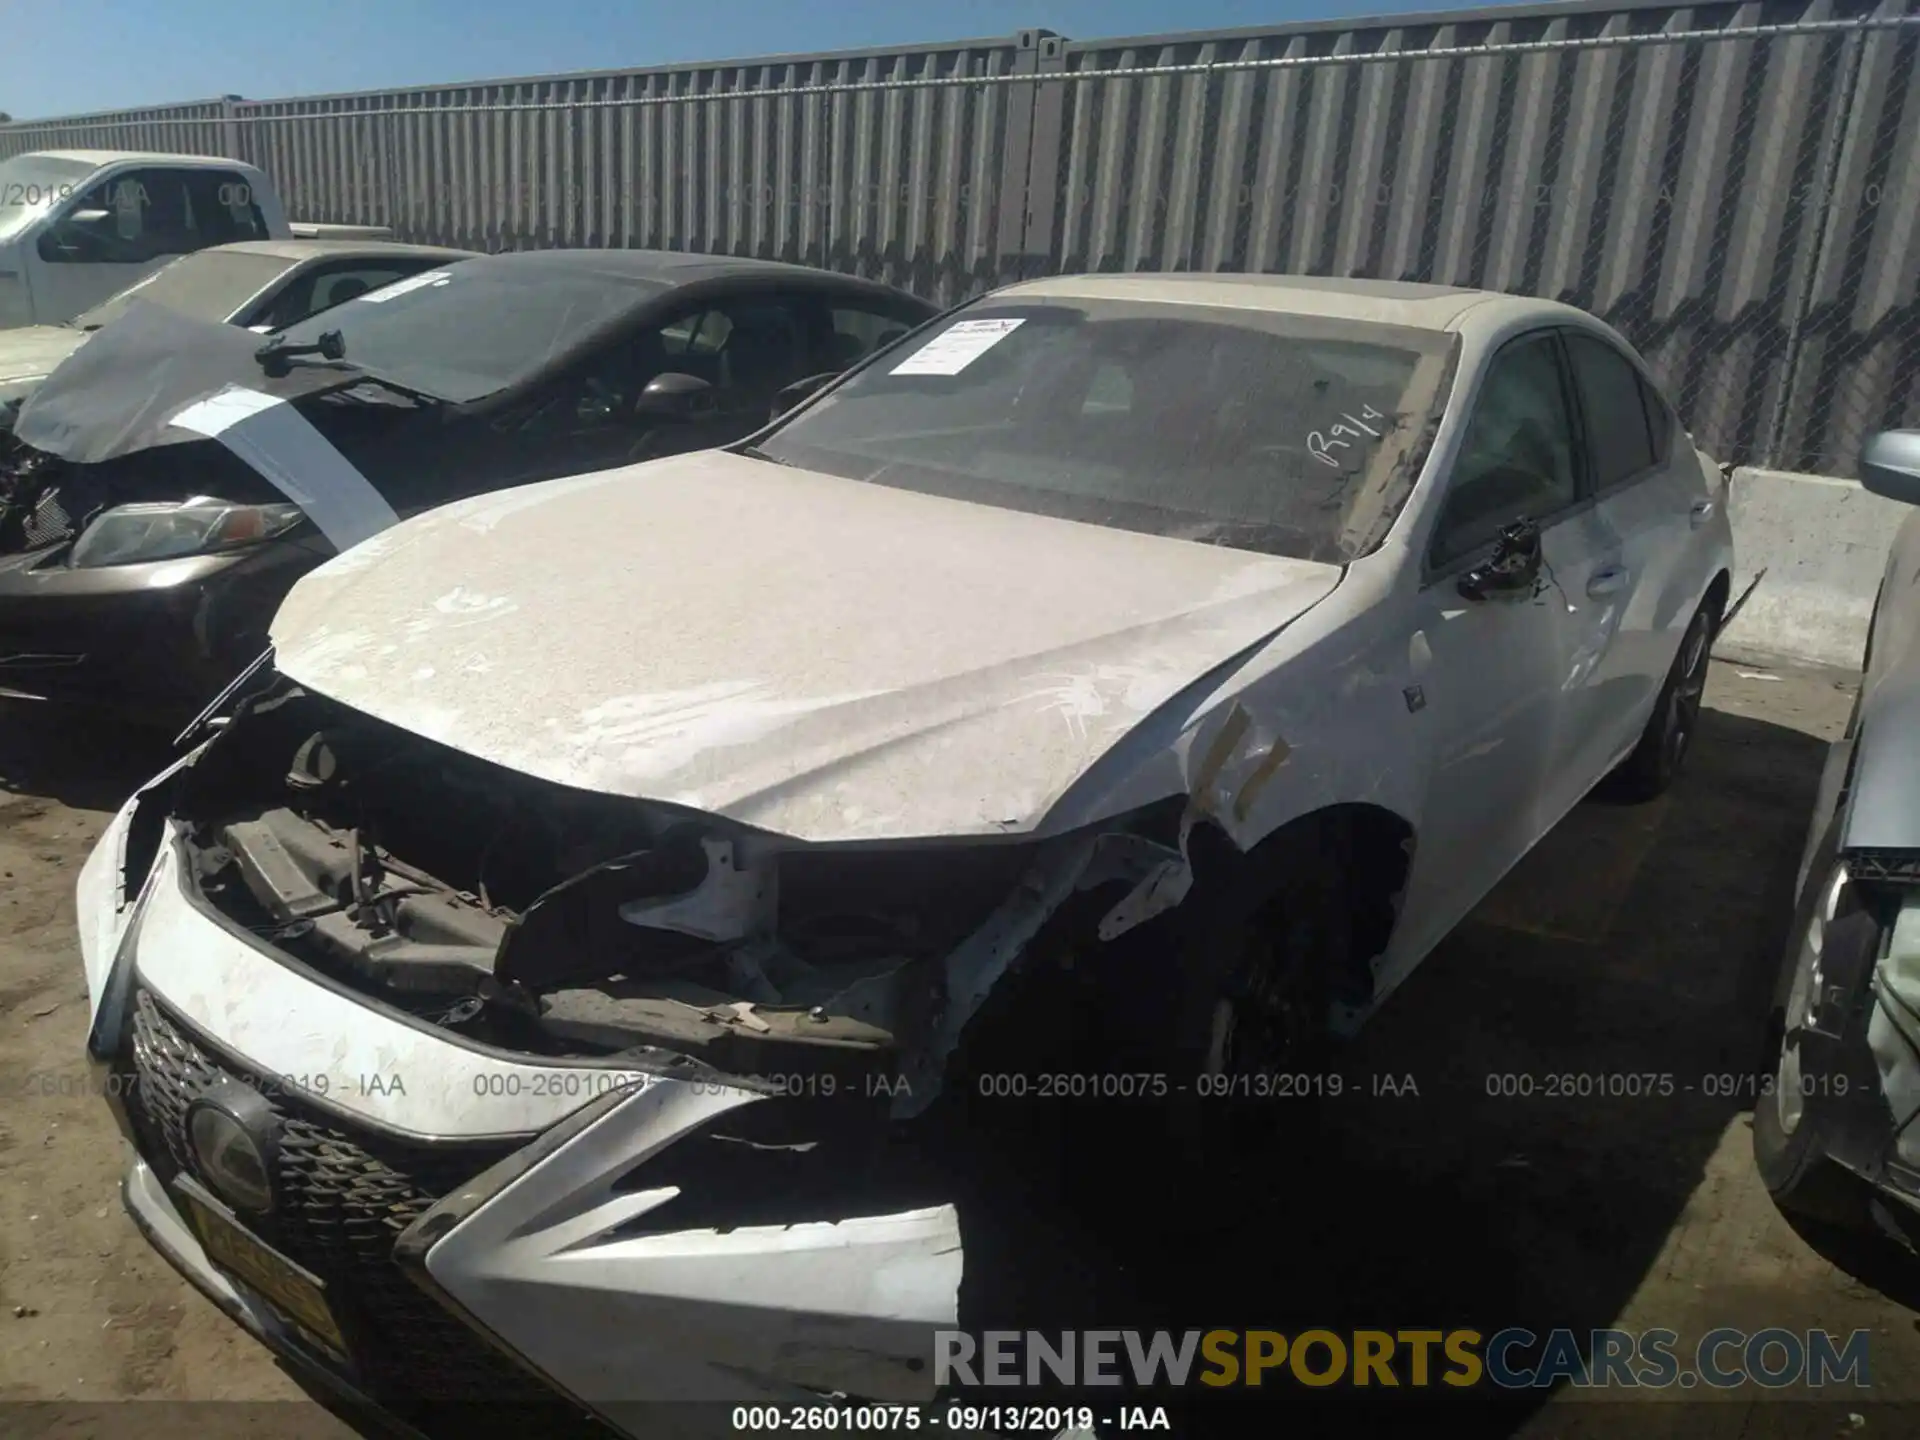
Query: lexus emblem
point(234, 1138)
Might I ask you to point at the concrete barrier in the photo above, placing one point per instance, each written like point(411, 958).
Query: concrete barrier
point(1823, 545)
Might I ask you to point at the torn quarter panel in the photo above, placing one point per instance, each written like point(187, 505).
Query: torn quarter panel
point(803, 654)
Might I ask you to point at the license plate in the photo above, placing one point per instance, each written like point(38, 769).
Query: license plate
point(295, 1292)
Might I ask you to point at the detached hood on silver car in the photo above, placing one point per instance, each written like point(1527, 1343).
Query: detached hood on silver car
point(809, 655)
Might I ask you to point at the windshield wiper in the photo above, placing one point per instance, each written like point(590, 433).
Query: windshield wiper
point(273, 355)
point(407, 393)
point(754, 452)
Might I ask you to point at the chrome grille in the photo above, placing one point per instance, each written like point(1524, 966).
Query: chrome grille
point(344, 1199)
point(49, 523)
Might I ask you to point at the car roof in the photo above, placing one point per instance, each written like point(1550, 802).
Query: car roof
point(109, 157)
point(297, 250)
point(665, 267)
point(1381, 302)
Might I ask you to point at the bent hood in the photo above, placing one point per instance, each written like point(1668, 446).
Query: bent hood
point(120, 391)
point(814, 656)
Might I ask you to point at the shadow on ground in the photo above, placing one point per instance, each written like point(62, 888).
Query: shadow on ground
point(84, 760)
point(1506, 1192)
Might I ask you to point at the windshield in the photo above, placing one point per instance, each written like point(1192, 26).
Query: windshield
point(206, 285)
point(31, 184)
point(467, 330)
point(1281, 433)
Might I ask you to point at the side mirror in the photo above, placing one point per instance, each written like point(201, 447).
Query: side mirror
point(801, 390)
point(675, 396)
point(1512, 572)
point(1890, 465)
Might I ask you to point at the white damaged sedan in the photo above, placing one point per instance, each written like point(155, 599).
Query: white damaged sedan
point(519, 994)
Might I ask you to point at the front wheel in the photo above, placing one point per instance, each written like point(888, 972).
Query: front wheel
point(1791, 1124)
point(1257, 972)
point(1655, 762)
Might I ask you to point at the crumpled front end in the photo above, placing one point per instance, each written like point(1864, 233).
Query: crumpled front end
point(1893, 1035)
point(460, 1085)
point(1850, 1067)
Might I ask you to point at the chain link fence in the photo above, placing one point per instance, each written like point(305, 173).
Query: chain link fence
point(1735, 188)
point(1738, 199)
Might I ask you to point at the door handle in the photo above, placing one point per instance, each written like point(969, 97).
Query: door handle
point(1608, 581)
point(1702, 512)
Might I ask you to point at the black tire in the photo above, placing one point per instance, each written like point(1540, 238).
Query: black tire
point(1798, 1175)
point(1655, 762)
point(1793, 1160)
point(1257, 966)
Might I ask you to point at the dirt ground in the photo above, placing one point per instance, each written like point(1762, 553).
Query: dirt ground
point(1636, 940)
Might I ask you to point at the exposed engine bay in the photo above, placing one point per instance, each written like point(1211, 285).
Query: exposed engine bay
point(46, 500)
point(32, 513)
point(561, 922)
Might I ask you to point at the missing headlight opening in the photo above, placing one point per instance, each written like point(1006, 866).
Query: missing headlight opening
point(32, 514)
point(526, 915)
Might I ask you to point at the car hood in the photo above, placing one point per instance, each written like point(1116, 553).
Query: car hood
point(29, 353)
point(804, 654)
point(120, 391)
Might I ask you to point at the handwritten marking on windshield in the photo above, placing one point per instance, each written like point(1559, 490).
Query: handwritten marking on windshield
point(1322, 446)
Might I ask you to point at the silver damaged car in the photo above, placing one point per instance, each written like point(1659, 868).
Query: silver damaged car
point(1836, 1120)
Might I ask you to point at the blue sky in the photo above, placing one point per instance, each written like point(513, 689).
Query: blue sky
point(58, 57)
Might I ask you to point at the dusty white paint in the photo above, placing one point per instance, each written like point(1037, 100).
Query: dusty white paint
point(838, 661)
point(816, 656)
point(29, 352)
point(756, 1311)
point(843, 661)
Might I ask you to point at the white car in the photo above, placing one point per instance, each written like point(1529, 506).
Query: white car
point(602, 870)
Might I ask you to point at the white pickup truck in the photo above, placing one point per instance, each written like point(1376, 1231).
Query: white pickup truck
point(79, 225)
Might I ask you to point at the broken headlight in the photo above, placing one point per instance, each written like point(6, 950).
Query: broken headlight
point(136, 533)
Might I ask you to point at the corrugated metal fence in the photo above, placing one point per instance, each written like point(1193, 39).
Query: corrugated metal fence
point(1735, 187)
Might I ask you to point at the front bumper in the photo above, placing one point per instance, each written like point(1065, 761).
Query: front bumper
point(483, 1223)
point(163, 636)
point(153, 1214)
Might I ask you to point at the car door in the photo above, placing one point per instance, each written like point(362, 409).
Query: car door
point(132, 223)
point(1494, 676)
point(1651, 496)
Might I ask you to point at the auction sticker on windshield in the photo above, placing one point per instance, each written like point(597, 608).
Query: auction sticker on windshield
point(401, 287)
point(951, 351)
